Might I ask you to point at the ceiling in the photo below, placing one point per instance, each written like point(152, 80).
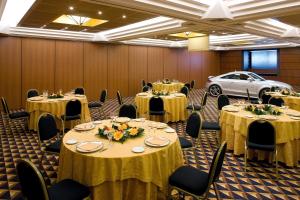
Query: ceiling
point(231, 24)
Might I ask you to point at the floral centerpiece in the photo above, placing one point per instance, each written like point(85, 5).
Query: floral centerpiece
point(166, 81)
point(286, 91)
point(263, 109)
point(120, 132)
point(55, 96)
point(160, 93)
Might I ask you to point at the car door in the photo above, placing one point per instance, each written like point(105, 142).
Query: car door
point(240, 84)
point(226, 83)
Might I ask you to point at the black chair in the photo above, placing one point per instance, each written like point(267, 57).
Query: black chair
point(277, 101)
point(188, 85)
point(197, 107)
point(119, 97)
point(274, 88)
point(192, 84)
point(149, 85)
point(127, 110)
point(101, 102)
point(146, 88)
point(156, 106)
point(47, 130)
point(253, 101)
point(261, 136)
point(192, 181)
point(143, 83)
point(265, 98)
point(223, 100)
point(14, 115)
point(33, 185)
point(72, 112)
point(79, 91)
point(32, 93)
point(185, 90)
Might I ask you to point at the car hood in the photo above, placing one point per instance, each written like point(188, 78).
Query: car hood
point(278, 84)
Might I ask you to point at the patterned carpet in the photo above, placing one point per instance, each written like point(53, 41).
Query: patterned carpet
point(258, 183)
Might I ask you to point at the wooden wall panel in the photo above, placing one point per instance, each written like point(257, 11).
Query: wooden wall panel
point(38, 63)
point(183, 65)
point(68, 65)
point(137, 68)
point(196, 68)
point(117, 70)
point(10, 71)
point(155, 64)
point(170, 63)
point(95, 69)
point(231, 61)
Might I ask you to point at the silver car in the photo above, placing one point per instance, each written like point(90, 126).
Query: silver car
point(236, 84)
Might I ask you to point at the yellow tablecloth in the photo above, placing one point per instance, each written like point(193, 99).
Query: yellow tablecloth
point(174, 105)
point(56, 107)
point(234, 128)
point(292, 101)
point(118, 173)
point(174, 86)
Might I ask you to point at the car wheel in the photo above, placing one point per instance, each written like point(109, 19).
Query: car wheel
point(214, 90)
point(263, 91)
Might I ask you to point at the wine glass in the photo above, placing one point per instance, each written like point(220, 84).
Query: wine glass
point(109, 137)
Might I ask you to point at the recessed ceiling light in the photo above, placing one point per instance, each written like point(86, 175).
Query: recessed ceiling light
point(43, 26)
point(99, 12)
point(213, 31)
point(71, 8)
point(123, 16)
point(66, 28)
point(85, 29)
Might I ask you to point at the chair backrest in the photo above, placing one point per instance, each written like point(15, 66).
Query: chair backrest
point(188, 85)
point(223, 100)
point(149, 85)
point(103, 96)
point(119, 97)
point(32, 93)
point(216, 165)
point(47, 128)
point(156, 104)
point(274, 88)
point(146, 88)
point(32, 182)
point(277, 101)
point(127, 110)
point(79, 90)
point(261, 132)
point(204, 99)
point(192, 84)
point(143, 83)
point(73, 108)
point(184, 90)
point(4, 105)
point(265, 98)
point(193, 125)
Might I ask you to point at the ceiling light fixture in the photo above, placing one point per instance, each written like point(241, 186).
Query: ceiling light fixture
point(187, 33)
point(99, 12)
point(123, 16)
point(79, 20)
point(218, 12)
point(198, 43)
point(71, 8)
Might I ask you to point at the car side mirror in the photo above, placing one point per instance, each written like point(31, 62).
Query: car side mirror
point(250, 79)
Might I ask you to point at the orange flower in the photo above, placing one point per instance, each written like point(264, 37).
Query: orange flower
point(122, 127)
point(133, 131)
point(118, 135)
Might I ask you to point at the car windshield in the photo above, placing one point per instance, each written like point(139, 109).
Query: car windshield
point(256, 77)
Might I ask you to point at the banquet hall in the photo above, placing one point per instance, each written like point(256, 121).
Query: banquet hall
point(150, 99)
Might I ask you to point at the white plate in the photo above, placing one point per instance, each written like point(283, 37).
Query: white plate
point(71, 141)
point(142, 94)
point(157, 141)
point(267, 117)
point(122, 119)
point(79, 95)
point(97, 122)
point(295, 118)
point(139, 120)
point(38, 98)
point(249, 116)
point(169, 130)
point(138, 149)
point(158, 125)
point(179, 95)
point(84, 127)
point(89, 147)
point(293, 113)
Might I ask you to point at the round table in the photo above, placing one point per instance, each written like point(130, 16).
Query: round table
point(174, 104)
point(234, 128)
point(118, 173)
point(292, 101)
point(36, 107)
point(171, 87)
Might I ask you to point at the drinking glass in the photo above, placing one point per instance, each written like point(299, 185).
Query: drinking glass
point(109, 137)
point(260, 101)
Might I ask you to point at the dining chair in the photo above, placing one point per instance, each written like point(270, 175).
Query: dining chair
point(149, 85)
point(47, 130)
point(119, 97)
point(188, 85)
point(79, 90)
point(192, 84)
point(274, 88)
point(185, 90)
point(100, 104)
point(156, 107)
point(72, 112)
point(128, 110)
point(194, 182)
point(146, 88)
point(265, 98)
point(33, 185)
point(222, 101)
point(261, 136)
point(32, 93)
point(276, 101)
point(252, 101)
point(197, 107)
point(14, 115)
point(143, 83)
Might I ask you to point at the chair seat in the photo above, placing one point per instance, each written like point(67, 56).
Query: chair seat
point(16, 115)
point(94, 104)
point(54, 147)
point(68, 118)
point(156, 112)
point(261, 147)
point(189, 179)
point(68, 189)
point(210, 126)
point(184, 143)
point(196, 107)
